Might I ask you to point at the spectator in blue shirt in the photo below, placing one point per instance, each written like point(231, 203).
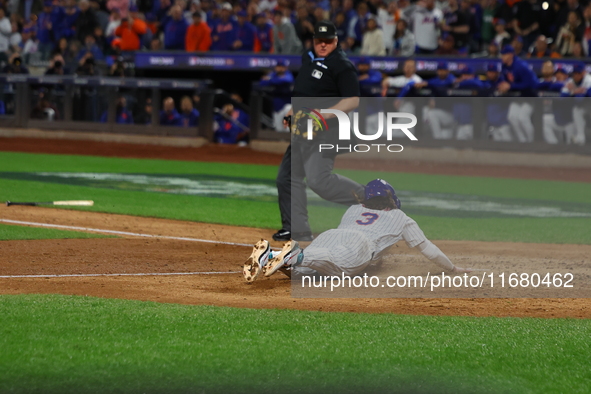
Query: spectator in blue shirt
point(224, 32)
point(68, 25)
point(519, 77)
point(497, 109)
point(264, 32)
point(190, 116)
point(228, 130)
point(281, 81)
point(123, 115)
point(175, 30)
point(357, 26)
point(239, 114)
point(370, 81)
point(161, 9)
point(57, 17)
point(44, 31)
point(246, 33)
point(340, 22)
point(91, 47)
point(169, 116)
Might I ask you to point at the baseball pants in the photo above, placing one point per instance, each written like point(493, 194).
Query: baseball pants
point(303, 164)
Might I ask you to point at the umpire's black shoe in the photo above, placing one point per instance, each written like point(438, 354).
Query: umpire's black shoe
point(285, 235)
point(282, 235)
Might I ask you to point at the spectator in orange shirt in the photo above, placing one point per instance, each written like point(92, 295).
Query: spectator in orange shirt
point(198, 36)
point(129, 32)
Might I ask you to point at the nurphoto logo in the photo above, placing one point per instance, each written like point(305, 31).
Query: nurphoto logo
point(391, 120)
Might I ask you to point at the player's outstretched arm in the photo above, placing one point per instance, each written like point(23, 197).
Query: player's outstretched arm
point(433, 253)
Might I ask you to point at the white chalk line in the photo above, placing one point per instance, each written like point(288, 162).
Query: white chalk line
point(125, 274)
point(97, 230)
point(60, 226)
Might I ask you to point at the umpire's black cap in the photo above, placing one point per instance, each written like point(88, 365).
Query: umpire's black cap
point(325, 30)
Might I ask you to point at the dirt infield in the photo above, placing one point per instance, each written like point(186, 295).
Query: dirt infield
point(153, 255)
point(140, 255)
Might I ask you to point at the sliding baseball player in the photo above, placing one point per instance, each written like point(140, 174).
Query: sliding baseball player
point(366, 230)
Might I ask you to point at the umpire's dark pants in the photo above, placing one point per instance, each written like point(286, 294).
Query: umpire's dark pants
point(302, 160)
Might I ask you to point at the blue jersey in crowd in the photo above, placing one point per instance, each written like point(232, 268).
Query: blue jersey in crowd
point(95, 50)
point(439, 86)
point(371, 86)
point(191, 119)
point(265, 36)
point(282, 85)
point(247, 35)
point(57, 24)
point(174, 34)
point(68, 23)
point(172, 118)
point(225, 32)
point(550, 86)
point(44, 33)
point(521, 77)
point(123, 116)
point(227, 132)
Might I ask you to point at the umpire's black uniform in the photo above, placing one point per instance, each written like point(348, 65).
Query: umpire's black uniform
point(331, 77)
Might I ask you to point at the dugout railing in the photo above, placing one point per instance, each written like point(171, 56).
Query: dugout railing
point(89, 104)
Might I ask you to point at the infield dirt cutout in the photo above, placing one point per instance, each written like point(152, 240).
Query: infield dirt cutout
point(153, 255)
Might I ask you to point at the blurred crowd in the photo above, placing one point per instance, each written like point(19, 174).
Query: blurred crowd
point(510, 117)
point(230, 123)
point(77, 33)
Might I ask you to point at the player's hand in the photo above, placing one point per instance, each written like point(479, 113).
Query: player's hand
point(579, 91)
point(504, 87)
point(287, 122)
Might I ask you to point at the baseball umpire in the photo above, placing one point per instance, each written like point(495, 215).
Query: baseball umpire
point(326, 73)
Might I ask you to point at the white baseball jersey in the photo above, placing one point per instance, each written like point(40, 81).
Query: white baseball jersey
point(401, 81)
point(425, 27)
point(361, 236)
point(585, 83)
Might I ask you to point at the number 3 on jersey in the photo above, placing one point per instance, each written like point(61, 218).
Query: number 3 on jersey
point(369, 219)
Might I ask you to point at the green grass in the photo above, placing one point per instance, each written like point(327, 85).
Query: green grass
point(65, 344)
point(265, 214)
point(12, 232)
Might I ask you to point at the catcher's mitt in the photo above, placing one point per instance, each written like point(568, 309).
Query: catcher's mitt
point(299, 125)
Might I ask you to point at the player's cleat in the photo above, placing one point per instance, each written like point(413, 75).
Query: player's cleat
point(287, 258)
point(257, 261)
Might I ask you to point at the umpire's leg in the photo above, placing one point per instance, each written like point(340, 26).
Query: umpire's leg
point(329, 186)
point(283, 182)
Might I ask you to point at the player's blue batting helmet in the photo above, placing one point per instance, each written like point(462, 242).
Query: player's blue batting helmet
point(379, 187)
